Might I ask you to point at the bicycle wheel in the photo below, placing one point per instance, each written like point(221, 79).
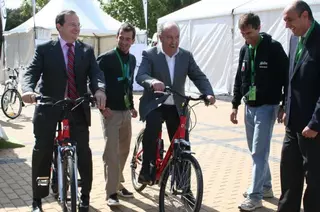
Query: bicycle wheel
point(11, 103)
point(182, 184)
point(73, 181)
point(136, 163)
point(65, 184)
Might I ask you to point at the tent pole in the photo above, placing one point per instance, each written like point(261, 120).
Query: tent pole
point(34, 21)
point(232, 54)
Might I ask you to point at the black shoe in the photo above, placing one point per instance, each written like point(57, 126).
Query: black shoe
point(36, 206)
point(84, 203)
point(113, 200)
point(144, 179)
point(125, 193)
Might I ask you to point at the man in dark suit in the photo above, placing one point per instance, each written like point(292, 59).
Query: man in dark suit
point(63, 67)
point(301, 148)
point(165, 65)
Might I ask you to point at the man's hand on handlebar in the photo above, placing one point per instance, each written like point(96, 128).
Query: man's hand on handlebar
point(29, 97)
point(158, 86)
point(211, 99)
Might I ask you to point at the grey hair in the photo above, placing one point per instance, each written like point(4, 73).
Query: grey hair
point(165, 25)
point(301, 6)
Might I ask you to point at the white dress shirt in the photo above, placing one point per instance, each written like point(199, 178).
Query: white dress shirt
point(171, 61)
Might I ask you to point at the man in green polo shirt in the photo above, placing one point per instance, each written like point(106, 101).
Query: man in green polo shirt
point(260, 79)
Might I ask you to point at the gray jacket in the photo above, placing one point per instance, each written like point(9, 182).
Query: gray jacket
point(154, 67)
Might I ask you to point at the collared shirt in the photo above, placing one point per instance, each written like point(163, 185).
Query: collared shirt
point(171, 61)
point(65, 49)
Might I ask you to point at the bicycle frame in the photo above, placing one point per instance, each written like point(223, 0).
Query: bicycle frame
point(64, 147)
point(179, 137)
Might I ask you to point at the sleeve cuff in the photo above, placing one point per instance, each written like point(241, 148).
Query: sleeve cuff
point(314, 126)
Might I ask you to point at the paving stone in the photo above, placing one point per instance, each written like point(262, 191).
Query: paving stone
point(219, 146)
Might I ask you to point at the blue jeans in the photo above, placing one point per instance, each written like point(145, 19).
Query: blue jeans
point(259, 122)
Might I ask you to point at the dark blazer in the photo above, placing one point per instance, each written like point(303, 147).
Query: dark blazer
point(154, 66)
point(303, 87)
point(49, 67)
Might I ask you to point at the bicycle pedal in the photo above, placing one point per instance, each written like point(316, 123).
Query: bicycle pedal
point(43, 181)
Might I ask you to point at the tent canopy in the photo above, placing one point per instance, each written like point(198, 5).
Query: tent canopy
point(267, 5)
point(203, 9)
point(94, 21)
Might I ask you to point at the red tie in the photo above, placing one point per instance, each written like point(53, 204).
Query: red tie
point(72, 89)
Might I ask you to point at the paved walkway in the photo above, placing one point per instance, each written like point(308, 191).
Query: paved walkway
point(220, 148)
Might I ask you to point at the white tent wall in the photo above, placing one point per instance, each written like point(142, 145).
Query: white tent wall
point(107, 43)
point(211, 44)
point(19, 49)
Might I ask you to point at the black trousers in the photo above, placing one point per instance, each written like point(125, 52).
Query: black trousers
point(44, 124)
point(300, 158)
point(170, 116)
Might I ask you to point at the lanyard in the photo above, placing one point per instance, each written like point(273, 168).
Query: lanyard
point(302, 42)
point(124, 67)
point(253, 53)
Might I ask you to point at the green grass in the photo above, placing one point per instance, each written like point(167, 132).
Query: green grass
point(9, 145)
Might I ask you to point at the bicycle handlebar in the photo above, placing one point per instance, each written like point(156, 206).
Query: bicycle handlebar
point(169, 90)
point(47, 100)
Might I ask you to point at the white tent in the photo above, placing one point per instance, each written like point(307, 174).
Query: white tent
point(209, 29)
point(97, 29)
point(93, 20)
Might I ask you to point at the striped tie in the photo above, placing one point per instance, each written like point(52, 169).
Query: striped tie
point(72, 89)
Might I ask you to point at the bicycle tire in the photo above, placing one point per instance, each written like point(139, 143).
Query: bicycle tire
point(137, 186)
point(199, 178)
point(65, 184)
point(12, 93)
point(73, 187)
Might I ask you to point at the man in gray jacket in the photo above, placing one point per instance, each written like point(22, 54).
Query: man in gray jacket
point(165, 65)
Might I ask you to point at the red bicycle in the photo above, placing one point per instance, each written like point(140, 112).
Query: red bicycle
point(177, 170)
point(64, 165)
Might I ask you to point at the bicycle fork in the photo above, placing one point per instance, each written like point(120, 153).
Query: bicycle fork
point(180, 147)
point(63, 153)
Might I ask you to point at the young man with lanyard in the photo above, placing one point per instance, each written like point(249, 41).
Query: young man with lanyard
point(118, 66)
point(260, 80)
point(300, 156)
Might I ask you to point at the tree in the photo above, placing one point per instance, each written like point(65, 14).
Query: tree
point(15, 17)
point(132, 11)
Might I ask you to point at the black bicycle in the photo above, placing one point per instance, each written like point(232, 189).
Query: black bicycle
point(65, 167)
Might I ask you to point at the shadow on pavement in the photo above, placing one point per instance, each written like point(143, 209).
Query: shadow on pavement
point(15, 182)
